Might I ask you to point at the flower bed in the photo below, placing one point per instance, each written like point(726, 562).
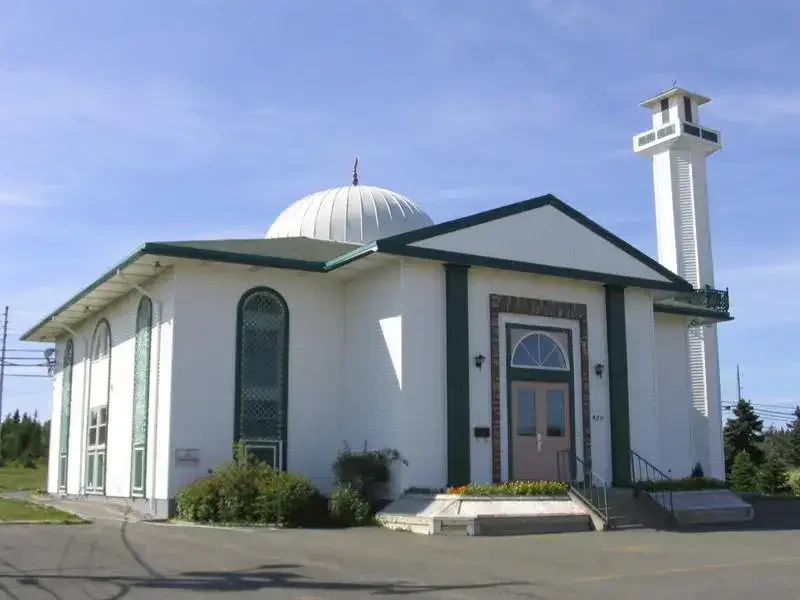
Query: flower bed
point(511, 488)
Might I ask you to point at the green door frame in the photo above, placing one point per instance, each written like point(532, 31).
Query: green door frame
point(541, 375)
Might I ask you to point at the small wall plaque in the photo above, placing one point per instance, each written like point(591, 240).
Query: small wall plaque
point(481, 432)
point(187, 457)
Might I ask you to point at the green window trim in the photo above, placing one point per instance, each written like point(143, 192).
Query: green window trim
point(261, 403)
point(141, 396)
point(66, 409)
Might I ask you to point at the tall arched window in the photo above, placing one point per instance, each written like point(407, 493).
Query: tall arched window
point(539, 351)
point(262, 364)
point(99, 398)
point(141, 395)
point(66, 408)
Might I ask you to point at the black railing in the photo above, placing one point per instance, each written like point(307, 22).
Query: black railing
point(647, 477)
point(708, 297)
point(591, 488)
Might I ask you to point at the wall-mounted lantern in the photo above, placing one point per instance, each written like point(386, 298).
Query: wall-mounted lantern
point(479, 360)
point(599, 368)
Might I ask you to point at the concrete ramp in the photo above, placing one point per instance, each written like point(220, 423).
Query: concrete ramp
point(708, 507)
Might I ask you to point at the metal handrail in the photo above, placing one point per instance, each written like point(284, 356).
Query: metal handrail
point(646, 476)
point(590, 487)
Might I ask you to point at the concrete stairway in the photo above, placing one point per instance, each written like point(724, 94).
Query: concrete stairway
point(626, 511)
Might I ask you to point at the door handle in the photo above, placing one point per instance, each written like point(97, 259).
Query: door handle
point(539, 442)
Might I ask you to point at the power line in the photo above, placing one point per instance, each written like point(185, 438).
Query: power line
point(25, 349)
point(3, 365)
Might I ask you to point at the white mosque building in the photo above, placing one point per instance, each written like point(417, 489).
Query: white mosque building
point(480, 348)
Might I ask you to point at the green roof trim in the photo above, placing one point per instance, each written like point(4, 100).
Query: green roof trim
point(300, 254)
point(691, 311)
point(400, 244)
point(136, 254)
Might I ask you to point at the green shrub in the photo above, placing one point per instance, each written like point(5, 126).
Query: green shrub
point(687, 484)
point(511, 488)
point(366, 471)
point(248, 492)
point(794, 481)
point(772, 478)
point(743, 473)
point(697, 471)
point(296, 500)
point(239, 487)
point(198, 501)
point(348, 507)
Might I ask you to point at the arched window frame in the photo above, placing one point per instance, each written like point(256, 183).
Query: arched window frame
point(141, 394)
point(66, 409)
point(101, 348)
point(557, 346)
point(253, 444)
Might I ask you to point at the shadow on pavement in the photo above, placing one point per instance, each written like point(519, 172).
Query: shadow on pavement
point(265, 577)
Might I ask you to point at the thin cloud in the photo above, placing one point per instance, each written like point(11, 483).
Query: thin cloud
point(41, 196)
point(757, 108)
point(471, 192)
point(747, 283)
point(153, 122)
point(588, 18)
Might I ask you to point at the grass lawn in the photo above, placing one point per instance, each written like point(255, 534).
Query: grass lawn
point(20, 510)
point(18, 478)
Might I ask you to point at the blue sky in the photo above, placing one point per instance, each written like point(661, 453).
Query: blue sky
point(125, 122)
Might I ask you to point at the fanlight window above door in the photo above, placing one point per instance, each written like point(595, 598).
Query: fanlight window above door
point(539, 351)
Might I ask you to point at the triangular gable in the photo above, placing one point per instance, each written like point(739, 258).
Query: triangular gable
point(541, 235)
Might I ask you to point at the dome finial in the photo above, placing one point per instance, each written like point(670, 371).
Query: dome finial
point(355, 173)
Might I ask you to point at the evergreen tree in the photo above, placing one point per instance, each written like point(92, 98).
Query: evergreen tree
point(744, 433)
point(23, 439)
point(743, 473)
point(772, 477)
point(793, 449)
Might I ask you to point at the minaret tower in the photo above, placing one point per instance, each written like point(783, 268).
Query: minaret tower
point(679, 147)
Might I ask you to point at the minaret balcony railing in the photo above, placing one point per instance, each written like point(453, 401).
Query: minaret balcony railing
point(671, 130)
point(710, 298)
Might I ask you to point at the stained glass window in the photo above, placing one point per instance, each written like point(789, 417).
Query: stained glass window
point(66, 407)
point(141, 393)
point(262, 368)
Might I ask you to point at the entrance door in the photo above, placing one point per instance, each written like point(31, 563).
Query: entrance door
point(540, 428)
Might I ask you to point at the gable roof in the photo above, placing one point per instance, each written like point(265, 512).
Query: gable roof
point(409, 244)
point(322, 256)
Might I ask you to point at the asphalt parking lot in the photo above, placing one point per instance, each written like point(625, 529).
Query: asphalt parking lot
point(111, 559)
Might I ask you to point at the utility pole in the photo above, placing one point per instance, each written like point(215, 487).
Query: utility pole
point(3, 366)
point(738, 385)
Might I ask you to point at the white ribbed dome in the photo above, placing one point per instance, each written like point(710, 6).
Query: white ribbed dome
point(355, 213)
